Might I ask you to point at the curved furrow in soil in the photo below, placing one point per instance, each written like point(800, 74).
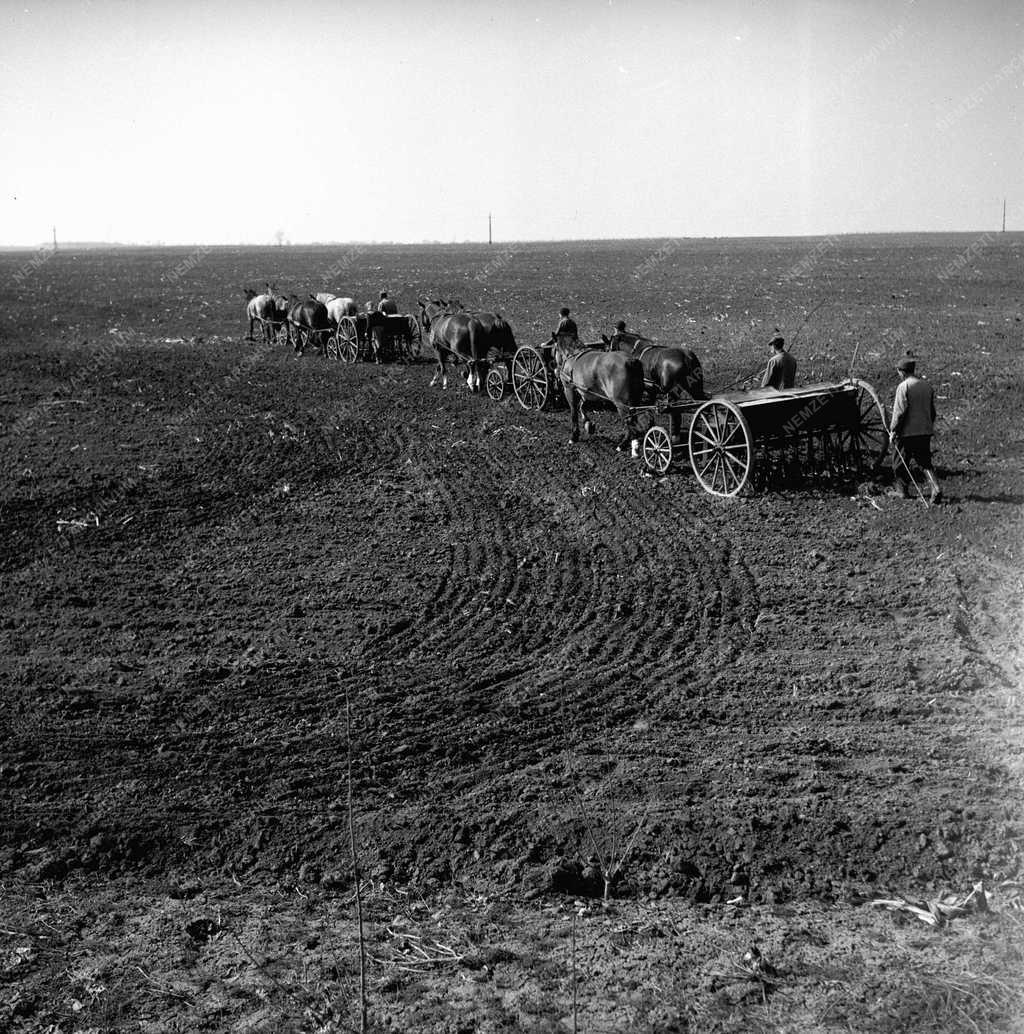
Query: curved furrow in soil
point(465, 559)
point(644, 661)
point(474, 618)
point(600, 649)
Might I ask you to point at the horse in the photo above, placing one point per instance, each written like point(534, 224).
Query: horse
point(500, 340)
point(590, 374)
point(259, 307)
point(325, 297)
point(338, 307)
point(467, 337)
point(310, 320)
point(269, 308)
point(669, 372)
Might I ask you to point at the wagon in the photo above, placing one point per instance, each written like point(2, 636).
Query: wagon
point(399, 338)
point(741, 438)
point(272, 331)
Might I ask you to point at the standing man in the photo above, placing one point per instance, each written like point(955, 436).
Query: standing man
point(387, 305)
point(566, 326)
point(911, 430)
point(781, 369)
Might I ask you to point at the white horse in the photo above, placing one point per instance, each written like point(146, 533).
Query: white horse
point(338, 307)
point(325, 297)
point(269, 309)
point(259, 307)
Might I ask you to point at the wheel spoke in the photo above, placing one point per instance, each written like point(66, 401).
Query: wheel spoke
point(732, 434)
point(704, 469)
point(705, 438)
point(735, 463)
point(718, 470)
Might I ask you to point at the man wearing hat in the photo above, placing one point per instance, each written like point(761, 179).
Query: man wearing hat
point(781, 369)
point(387, 305)
point(912, 427)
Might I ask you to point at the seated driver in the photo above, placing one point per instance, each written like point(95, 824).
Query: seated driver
point(566, 326)
point(781, 369)
point(620, 333)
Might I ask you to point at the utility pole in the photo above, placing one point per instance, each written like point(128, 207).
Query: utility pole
point(1004, 215)
point(490, 238)
point(55, 233)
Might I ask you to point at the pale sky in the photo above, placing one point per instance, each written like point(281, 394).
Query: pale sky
point(223, 122)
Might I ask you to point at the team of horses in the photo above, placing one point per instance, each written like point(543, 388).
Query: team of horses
point(624, 372)
point(304, 321)
point(470, 338)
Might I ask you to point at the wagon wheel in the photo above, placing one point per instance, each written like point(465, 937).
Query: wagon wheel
point(531, 379)
point(497, 382)
point(348, 340)
point(280, 332)
point(721, 448)
point(414, 342)
point(334, 347)
point(867, 443)
point(656, 449)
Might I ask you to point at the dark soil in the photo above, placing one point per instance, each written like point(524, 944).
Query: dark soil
point(215, 551)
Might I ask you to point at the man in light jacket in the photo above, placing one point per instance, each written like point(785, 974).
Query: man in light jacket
point(781, 369)
point(912, 427)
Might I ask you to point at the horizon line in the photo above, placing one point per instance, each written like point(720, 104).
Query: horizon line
point(49, 246)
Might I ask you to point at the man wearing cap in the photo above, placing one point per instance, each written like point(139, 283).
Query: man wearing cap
point(566, 326)
point(781, 369)
point(911, 429)
point(387, 305)
point(620, 331)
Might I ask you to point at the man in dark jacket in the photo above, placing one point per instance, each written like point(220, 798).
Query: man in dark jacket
point(620, 333)
point(566, 326)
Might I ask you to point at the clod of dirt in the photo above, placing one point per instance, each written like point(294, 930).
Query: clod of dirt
point(185, 889)
point(201, 930)
point(334, 879)
point(487, 957)
point(309, 873)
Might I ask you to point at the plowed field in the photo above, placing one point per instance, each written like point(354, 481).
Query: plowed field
point(551, 663)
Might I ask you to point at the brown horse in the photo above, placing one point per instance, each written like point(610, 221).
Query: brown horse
point(465, 337)
point(669, 372)
point(590, 375)
point(499, 339)
point(309, 321)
